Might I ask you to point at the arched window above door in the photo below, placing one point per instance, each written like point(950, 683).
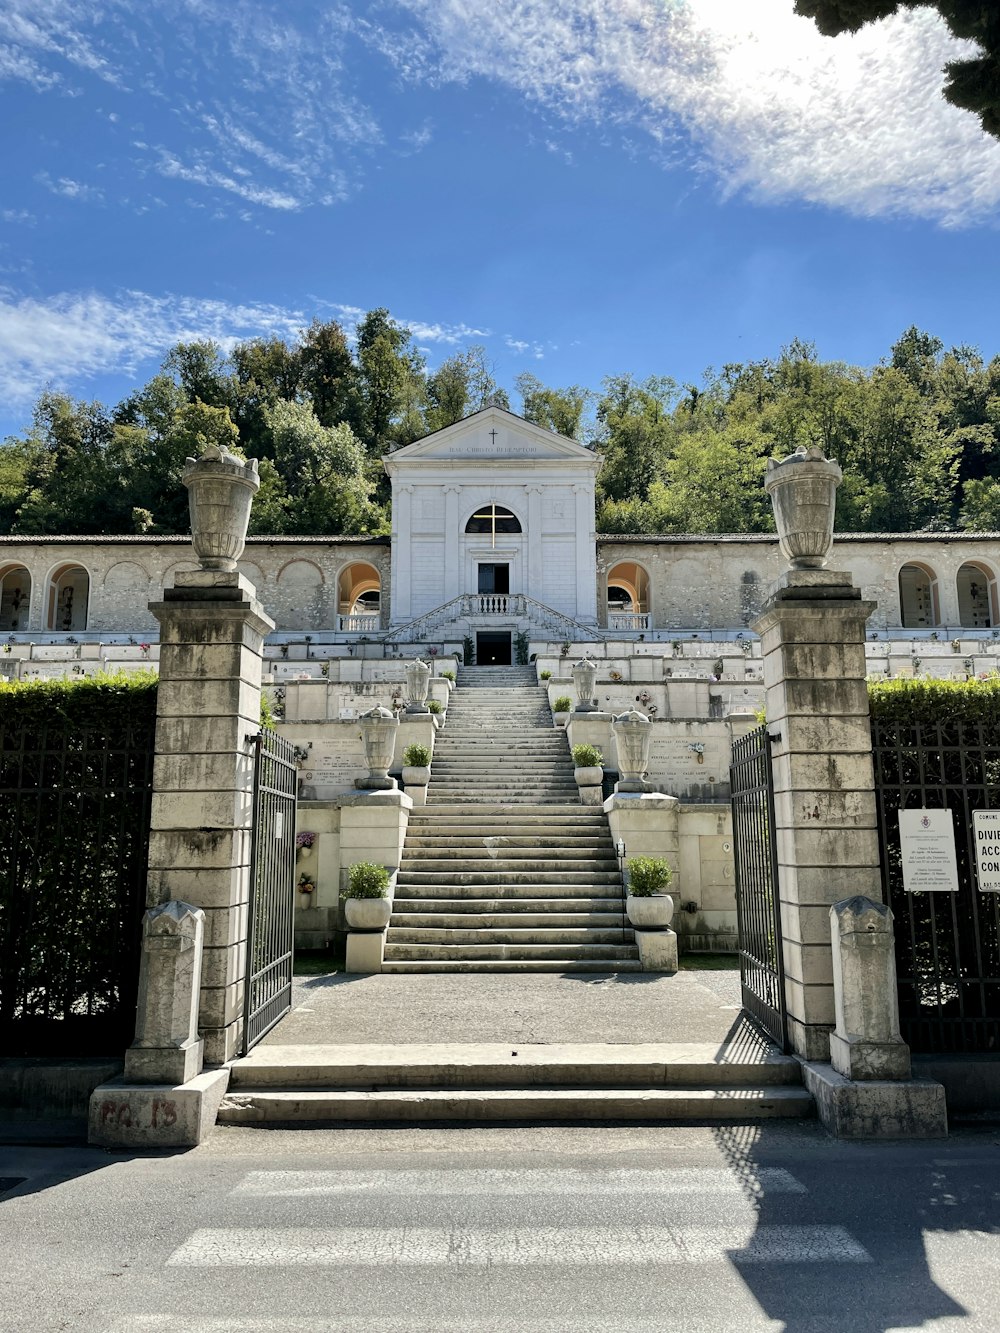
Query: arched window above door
point(493, 519)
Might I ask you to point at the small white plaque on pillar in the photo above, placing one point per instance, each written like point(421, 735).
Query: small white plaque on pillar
point(986, 831)
point(927, 845)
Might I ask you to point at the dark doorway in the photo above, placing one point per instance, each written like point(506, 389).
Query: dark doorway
point(492, 648)
point(494, 578)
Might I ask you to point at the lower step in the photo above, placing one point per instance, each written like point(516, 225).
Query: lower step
point(270, 1106)
point(599, 966)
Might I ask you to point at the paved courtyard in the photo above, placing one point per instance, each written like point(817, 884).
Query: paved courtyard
point(515, 1007)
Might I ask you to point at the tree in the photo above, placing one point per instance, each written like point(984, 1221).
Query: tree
point(635, 430)
point(200, 370)
point(70, 485)
point(329, 375)
point(560, 410)
point(265, 371)
point(972, 84)
point(462, 384)
point(391, 375)
point(323, 472)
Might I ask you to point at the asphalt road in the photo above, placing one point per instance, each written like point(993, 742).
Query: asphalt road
point(629, 1229)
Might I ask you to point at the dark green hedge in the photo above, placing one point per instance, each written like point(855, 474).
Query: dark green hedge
point(115, 701)
point(927, 700)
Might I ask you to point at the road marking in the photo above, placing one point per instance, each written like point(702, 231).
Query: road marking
point(370, 1247)
point(679, 1180)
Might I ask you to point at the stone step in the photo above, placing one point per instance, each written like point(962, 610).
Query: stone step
point(452, 864)
point(506, 938)
point(500, 875)
point(473, 916)
point(510, 843)
point(592, 911)
point(438, 952)
point(526, 816)
point(599, 967)
point(441, 887)
point(489, 798)
point(495, 1065)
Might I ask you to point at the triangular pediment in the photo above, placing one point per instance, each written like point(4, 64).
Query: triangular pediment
point(492, 434)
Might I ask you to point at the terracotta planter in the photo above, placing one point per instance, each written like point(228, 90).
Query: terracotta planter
point(654, 912)
point(367, 913)
point(221, 488)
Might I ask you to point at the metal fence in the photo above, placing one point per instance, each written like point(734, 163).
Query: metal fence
point(272, 887)
point(74, 815)
point(758, 914)
point(947, 944)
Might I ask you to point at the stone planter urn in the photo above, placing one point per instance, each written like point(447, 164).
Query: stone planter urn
point(221, 488)
point(652, 911)
point(633, 735)
point(803, 491)
point(584, 675)
point(418, 676)
point(416, 775)
point(589, 782)
point(367, 913)
point(560, 719)
point(378, 734)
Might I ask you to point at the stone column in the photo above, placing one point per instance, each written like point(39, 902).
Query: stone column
point(402, 598)
point(453, 575)
point(586, 569)
point(212, 631)
point(813, 635)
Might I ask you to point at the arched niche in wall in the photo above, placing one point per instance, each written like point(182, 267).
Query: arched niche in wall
point(128, 581)
point(359, 596)
point(628, 596)
point(15, 598)
point(68, 599)
point(919, 606)
point(299, 601)
point(977, 596)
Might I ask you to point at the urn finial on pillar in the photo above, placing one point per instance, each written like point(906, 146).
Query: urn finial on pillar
point(633, 734)
point(803, 491)
point(221, 488)
point(418, 676)
point(378, 733)
point(584, 675)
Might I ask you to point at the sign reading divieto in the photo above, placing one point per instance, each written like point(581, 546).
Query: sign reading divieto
point(986, 835)
point(927, 847)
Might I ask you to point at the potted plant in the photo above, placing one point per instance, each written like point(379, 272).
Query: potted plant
point(588, 762)
point(448, 675)
point(416, 766)
point(561, 710)
point(434, 706)
point(545, 675)
point(647, 903)
point(366, 898)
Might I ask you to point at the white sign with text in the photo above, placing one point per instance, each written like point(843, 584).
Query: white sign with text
point(927, 845)
point(986, 833)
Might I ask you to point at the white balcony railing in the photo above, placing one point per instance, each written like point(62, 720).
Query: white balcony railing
point(628, 620)
point(364, 624)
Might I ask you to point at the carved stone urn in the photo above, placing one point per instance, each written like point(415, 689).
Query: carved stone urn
point(418, 676)
point(221, 488)
point(803, 491)
point(633, 734)
point(584, 675)
point(378, 734)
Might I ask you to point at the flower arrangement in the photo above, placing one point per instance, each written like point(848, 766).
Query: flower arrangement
point(615, 676)
point(305, 884)
point(304, 840)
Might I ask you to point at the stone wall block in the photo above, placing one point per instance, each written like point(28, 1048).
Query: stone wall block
point(207, 698)
point(809, 962)
point(815, 661)
point(220, 661)
point(822, 885)
point(217, 809)
point(203, 772)
point(204, 735)
point(198, 850)
point(845, 772)
point(815, 807)
point(827, 847)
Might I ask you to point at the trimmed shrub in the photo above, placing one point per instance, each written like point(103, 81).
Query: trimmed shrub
point(416, 756)
point(648, 875)
point(563, 704)
point(367, 880)
point(448, 675)
point(545, 675)
point(434, 706)
point(928, 700)
point(587, 756)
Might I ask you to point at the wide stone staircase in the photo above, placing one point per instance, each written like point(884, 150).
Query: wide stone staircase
point(503, 870)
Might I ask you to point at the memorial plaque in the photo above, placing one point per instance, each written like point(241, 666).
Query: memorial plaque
point(986, 834)
point(332, 766)
point(927, 847)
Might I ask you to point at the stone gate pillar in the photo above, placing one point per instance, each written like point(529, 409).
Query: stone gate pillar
point(812, 634)
point(212, 631)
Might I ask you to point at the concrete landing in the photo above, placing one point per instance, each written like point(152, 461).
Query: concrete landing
point(537, 1008)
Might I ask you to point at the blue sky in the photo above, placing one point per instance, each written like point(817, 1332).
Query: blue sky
point(586, 187)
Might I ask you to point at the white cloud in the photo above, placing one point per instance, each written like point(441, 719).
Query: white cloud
point(69, 188)
point(170, 166)
point(772, 107)
point(65, 340)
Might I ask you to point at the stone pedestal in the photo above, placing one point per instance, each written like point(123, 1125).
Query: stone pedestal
point(124, 1115)
point(657, 950)
point(167, 1048)
point(212, 630)
point(812, 634)
point(866, 1043)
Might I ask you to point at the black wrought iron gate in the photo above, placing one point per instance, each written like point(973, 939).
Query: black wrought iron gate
point(272, 887)
point(758, 914)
